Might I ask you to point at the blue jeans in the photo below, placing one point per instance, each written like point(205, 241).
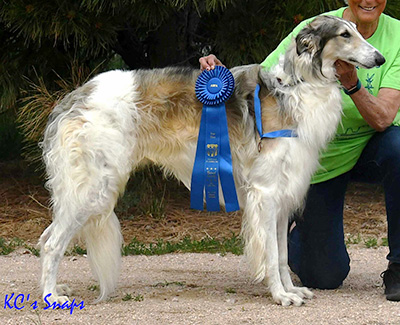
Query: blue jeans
point(317, 251)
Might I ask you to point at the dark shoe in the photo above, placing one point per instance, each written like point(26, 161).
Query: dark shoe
point(391, 280)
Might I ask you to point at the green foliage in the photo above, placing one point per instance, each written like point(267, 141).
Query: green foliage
point(169, 283)
point(353, 240)
point(393, 8)
point(127, 297)
point(38, 102)
point(35, 251)
point(75, 24)
point(78, 250)
point(385, 242)
point(93, 287)
point(211, 245)
point(137, 298)
point(232, 245)
point(248, 30)
point(42, 42)
point(8, 246)
point(10, 137)
point(230, 290)
point(371, 242)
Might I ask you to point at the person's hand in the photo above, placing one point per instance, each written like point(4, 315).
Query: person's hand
point(347, 74)
point(209, 62)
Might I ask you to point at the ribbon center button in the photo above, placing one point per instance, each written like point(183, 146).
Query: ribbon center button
point(214, 85)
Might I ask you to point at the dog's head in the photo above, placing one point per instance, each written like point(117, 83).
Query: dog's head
point(327, 39)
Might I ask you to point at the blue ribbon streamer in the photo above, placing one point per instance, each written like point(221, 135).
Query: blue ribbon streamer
point(285, 133)
point(213, 161)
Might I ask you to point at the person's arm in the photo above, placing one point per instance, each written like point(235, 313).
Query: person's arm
point(379, 112)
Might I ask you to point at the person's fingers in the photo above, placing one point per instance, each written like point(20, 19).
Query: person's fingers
point(346, 73)
point(205, 63)
point(209, 62)
point(343, 67)
point(218, 62)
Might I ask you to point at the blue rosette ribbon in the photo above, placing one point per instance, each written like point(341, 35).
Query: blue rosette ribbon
point(213, 161)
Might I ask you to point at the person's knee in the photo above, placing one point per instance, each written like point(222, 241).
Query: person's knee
point(325, 277)
point(319, 263)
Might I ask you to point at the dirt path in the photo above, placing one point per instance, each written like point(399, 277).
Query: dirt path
point(185, 288)
point(195, 289)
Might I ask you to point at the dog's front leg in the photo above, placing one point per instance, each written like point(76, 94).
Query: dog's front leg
point(302, 292)
point(261, 242)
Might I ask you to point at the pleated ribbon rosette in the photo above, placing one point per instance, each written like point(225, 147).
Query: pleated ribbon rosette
point(213, 161)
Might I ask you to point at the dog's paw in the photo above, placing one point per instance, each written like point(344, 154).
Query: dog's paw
point(55, 300)
point(287, 299)
point(302, 292)
point(63, 290)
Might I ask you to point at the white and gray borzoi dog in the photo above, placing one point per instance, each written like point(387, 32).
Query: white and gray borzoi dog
point(120, 120)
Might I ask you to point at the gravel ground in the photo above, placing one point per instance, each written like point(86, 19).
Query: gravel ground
point(193, 289)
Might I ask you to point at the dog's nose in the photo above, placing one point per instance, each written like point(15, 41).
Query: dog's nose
point(379, 59)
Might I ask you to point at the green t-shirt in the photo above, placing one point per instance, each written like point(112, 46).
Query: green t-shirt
point(353, 132)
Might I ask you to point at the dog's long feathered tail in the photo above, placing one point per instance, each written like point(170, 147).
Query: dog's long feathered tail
point(103, 242)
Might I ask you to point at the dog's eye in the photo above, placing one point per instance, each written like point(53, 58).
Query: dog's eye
point(345, 34)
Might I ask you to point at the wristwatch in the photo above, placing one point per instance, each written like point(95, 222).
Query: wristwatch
point(354, 89)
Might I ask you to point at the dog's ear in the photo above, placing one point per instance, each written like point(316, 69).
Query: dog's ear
point(307, 41)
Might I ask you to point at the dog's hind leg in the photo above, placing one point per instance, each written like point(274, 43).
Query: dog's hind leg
point(54, 241)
